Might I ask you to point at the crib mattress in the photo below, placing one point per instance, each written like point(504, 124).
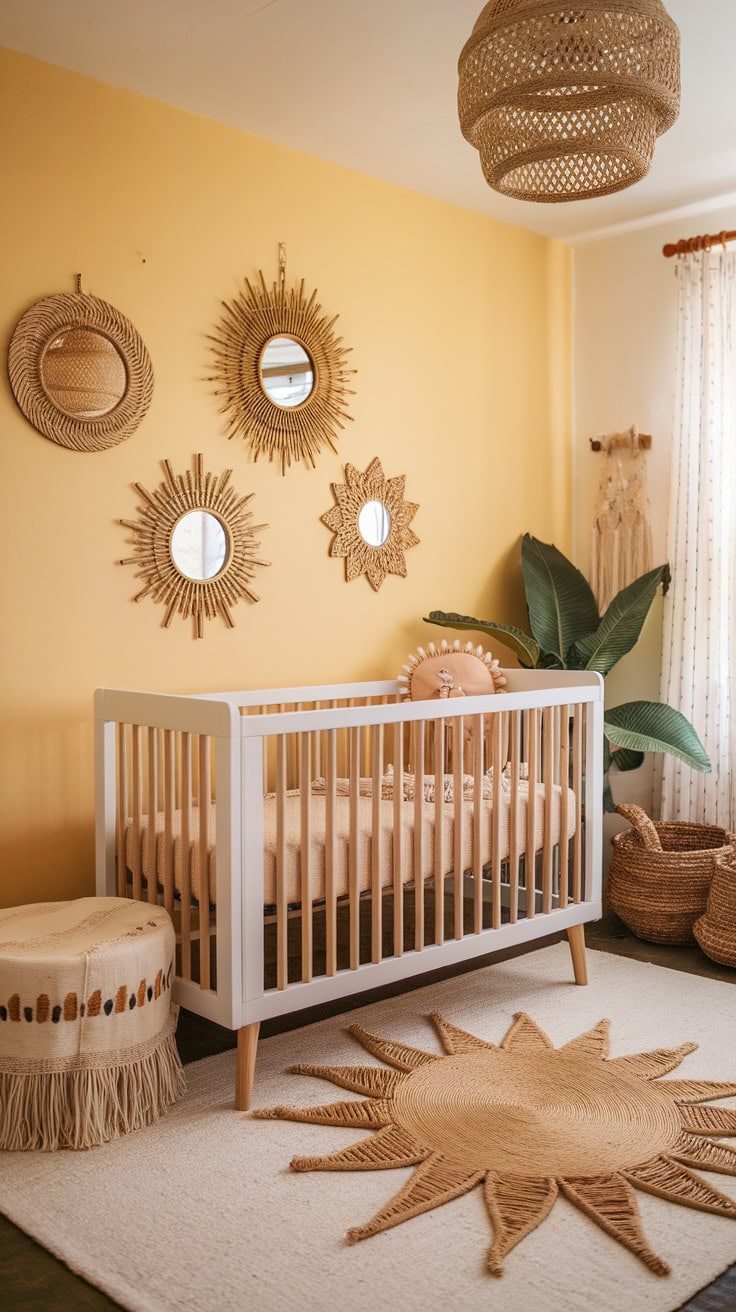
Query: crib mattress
point(152, 856)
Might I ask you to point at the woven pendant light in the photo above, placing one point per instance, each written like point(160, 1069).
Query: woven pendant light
point(565, 102)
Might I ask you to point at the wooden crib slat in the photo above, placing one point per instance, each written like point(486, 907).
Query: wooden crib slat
point(376, 899)
point(282, 913)
point(185, 744)
point(458, 862)
point(564, 802)
point(439, 824)
point(577, 784)
point(497, 762)
point(478, 814)
point(305, 857)
point(354, 832)
point(515, 759)
point(151, 846)
point(137, 812)
point(203, 853)
point(549, 799)
point(531, 812)
point(317, 748)
point(169, 806)
point(418, 730)
point(330, 887)
point(398, 815)
point(122, 809)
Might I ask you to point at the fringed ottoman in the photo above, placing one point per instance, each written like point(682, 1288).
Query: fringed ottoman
point(87, 1048)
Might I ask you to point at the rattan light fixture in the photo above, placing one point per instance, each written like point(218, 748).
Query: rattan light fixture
point(565, 102)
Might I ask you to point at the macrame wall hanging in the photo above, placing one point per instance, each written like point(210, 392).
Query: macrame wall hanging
point(621, 542)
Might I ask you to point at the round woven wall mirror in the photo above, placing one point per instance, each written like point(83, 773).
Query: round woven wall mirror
point(287, 372)
point(199, 545)
point(83, 373)
point(281, 373)
point(80, 372)
point(195, 545)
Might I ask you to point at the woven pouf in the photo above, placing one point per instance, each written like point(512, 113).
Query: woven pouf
point(87, 1048)
point(716, 930)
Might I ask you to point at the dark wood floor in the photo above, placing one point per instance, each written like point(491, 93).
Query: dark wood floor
point(30, 1278)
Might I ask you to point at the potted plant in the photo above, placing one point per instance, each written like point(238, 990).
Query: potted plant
point(568, 633)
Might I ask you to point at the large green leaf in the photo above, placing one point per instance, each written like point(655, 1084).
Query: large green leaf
point(519, 642)
point(560, 602)
point(622, 623)
point(655, 727)
point(624, 759)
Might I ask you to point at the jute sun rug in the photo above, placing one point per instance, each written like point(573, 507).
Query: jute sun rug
point(202, 1210)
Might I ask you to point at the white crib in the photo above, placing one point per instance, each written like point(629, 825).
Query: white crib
point(304, 854)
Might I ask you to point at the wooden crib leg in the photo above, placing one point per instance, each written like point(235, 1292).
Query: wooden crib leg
point(576, 938)
point(246, 1065)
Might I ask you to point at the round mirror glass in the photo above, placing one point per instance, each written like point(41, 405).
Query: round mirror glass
point(83, 373)
point(199, 545)
point(374, 523)
point(287, 372)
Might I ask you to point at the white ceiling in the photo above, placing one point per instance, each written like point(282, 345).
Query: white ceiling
point(372, 85)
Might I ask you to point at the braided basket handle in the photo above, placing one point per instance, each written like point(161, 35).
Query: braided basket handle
point(644, 826)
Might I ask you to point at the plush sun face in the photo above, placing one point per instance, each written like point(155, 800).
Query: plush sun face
point(526, 1122)
point(450, 671)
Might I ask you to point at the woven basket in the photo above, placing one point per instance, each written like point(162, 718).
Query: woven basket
point(716, 930)
point(661, 874)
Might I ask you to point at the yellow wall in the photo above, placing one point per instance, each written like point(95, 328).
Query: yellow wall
point(461, 336)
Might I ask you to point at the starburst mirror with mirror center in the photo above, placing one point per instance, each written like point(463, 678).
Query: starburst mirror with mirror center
point(195, 545)
point(527, 1122)
point(371, 522)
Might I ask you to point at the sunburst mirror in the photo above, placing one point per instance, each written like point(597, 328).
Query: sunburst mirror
point(80, 371)
point(371, 522)
point(195, 545)
point(281, 372)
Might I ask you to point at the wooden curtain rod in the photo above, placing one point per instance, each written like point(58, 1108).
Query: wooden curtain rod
point(622, 441)
point(689, 245)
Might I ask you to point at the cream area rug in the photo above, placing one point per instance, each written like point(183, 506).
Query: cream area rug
point(201, 1212)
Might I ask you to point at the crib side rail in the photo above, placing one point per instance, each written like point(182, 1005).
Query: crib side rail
point(355, 861)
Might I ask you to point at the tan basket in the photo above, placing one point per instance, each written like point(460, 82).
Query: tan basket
point(661, 874)
point(716, 930)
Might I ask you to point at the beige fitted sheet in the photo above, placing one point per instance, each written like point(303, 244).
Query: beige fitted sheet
point(152, 856)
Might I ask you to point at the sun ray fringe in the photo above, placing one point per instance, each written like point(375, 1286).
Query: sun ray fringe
point(516, 1206)
point(372, 1081)
point(691, 1150)
point(649, 1065)
point(435, 1182)
point(611, 1203)
point(671, 1180)
point(400, 1055)
point(697, 1090)
point(454, 1040)
point(369, 1115)
point(708, 1120)
point(594, 1043)
point(386, 1150)
point(526, 1036)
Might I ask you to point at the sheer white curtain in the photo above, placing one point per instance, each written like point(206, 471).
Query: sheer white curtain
point(699, 659)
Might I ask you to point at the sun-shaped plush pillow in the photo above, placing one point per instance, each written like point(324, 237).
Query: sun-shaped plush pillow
point(450, 671)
